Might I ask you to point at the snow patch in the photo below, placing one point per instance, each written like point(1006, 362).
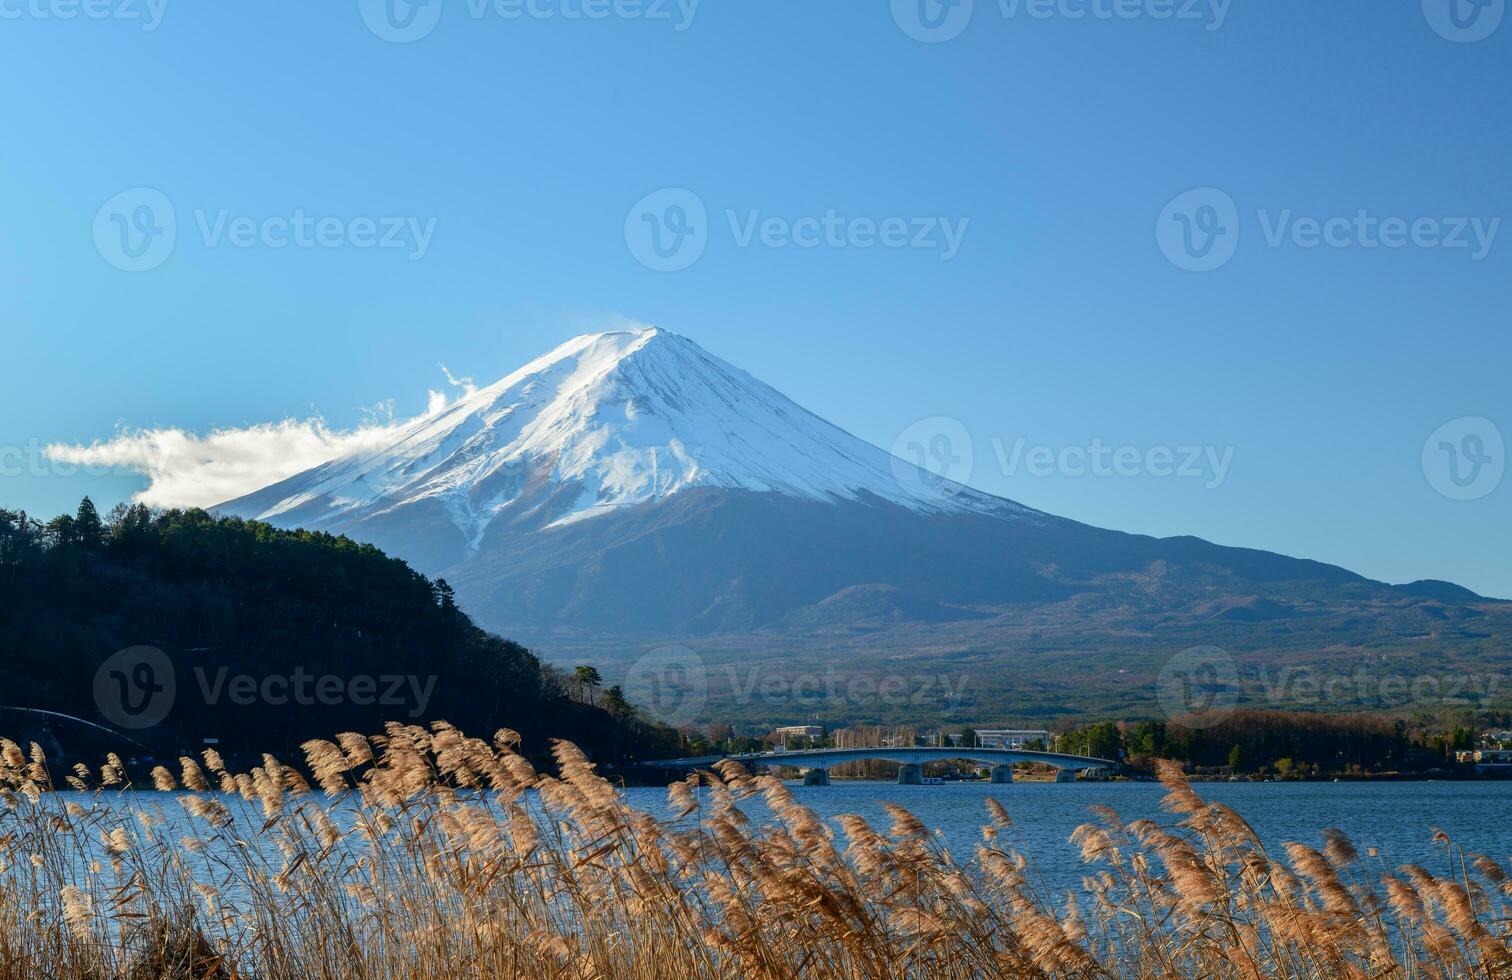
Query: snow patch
point(608, 421)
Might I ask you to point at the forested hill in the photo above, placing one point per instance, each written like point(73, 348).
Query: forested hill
point(266, 638)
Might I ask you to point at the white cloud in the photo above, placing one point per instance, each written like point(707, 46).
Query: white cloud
point(187, 469)
point(190, 470)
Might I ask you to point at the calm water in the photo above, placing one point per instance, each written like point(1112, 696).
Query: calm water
point(1397, 818)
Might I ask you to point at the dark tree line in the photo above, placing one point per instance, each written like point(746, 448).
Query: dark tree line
point(1291, 741)
point(232, 604)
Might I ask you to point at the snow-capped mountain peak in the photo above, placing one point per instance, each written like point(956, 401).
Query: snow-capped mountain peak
point(630, 486)
point(603, 422)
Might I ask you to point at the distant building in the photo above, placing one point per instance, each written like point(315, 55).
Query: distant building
point(1012, 738)
point(798, 731)
point(1486, 760)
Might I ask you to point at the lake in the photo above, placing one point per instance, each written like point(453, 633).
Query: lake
point(1398, 818)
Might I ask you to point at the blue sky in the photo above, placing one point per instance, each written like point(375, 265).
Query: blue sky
point(1053, 144)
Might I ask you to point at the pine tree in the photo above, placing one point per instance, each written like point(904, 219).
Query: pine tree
point(615, 703)
point(589, 678)
point(88, 530)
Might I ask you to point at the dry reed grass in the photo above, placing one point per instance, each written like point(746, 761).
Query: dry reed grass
point(425, 853)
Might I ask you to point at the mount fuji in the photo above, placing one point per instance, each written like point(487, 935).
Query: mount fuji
point(630, 484)
point(604, 423)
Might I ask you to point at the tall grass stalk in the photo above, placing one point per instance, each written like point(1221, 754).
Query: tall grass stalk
point(426, 853)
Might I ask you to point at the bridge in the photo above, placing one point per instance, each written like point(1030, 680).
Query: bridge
point(815, 763)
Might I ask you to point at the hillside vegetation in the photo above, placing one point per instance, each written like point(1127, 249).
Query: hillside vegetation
point(270, 636)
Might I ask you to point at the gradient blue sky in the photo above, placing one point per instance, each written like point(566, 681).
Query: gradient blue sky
point(1060, 321)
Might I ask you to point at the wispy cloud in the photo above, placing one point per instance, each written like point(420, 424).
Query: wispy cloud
point(189, 469)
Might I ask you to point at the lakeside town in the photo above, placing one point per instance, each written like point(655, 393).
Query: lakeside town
point(1247, 746)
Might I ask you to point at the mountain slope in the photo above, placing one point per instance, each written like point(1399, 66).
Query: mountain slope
point(721, 561)
point(629, 487)
point(602, 423)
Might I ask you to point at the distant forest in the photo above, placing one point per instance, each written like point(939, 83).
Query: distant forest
point(267, 638)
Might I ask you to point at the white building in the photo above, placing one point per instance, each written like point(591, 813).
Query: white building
point(798, 731)
point(1008, 738)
